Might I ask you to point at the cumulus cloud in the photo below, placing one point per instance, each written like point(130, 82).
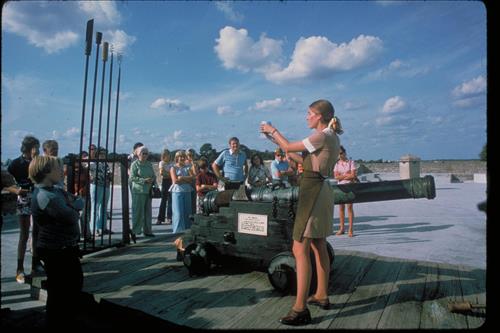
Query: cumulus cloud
point(270, 103)
point(313, 57)
point(353, 105)
point(237, 50)
point(318, 57)
point(228, 10)
point(167, 104)
point(470, 88)
point(72, 132)
point(276, 104)
point(55, 26)
point(120, 41)
point(470, 93)
point(393, 105)
point(398, 68)
point(104, 12)
point(393, 112)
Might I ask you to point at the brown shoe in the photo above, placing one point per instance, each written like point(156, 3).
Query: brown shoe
point(322, 303)
point(295, 318)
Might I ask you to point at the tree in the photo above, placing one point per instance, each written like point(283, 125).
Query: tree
point(482, 155)
point(208, 151)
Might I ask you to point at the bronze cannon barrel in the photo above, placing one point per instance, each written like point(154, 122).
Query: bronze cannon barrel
point(423, 187)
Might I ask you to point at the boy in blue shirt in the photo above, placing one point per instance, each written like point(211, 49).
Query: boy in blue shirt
point(280, 169)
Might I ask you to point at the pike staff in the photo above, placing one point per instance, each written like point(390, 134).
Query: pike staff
point(107, 142)
point(105, 48)
point(115, 130)
point(98, 39)
point(88, 50)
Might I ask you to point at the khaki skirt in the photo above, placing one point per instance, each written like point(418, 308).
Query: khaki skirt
point(320, 223)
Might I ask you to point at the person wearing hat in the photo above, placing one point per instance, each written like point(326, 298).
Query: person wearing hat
point(280, 168)
point(313, 220)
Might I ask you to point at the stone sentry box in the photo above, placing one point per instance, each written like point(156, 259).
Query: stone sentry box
point(409, 166)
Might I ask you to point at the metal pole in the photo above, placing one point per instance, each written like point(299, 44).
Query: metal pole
point(98, 42)
point(88, 50)
point(107, 144)
point(105, 47)
point(123, 164)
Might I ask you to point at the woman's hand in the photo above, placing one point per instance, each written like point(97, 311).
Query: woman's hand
point(266, 128)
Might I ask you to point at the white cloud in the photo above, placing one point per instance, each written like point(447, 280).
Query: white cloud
point(398, 68)
point(393, 105)
point(313, 57)
point(239, 51)
point(72, 132)
point(224, 109)
point(353, 105)
point(471, 87)
point(269, 104)
point(57, 25)
point(228, 10)
point(393, 113)
point(469, 102)
point(470, 94)
point(167, 104)
point(175, 140)
point(276, 104)
point(318, 57)
point(120, 41)
point(104, 12)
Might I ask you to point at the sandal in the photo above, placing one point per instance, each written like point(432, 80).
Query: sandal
point(322, 303)
point(295, 318)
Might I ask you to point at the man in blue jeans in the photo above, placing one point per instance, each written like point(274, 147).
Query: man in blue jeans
point(234, 164)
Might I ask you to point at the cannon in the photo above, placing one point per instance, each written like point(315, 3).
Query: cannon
point(257, 225)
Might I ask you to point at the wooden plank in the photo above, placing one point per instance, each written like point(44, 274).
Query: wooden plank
point(473, 283)
point(270, 311)
point(366, 304)
point(404, 306)
point(442, 286)
point(188, 312)
point(127, 269)
point(228, 313)
point(158, 295)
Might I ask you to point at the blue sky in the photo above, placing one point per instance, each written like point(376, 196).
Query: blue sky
point(404, 77)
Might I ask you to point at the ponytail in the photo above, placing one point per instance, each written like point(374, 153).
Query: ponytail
point(335, 125)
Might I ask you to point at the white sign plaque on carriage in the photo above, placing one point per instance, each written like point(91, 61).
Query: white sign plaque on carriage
point(253, 224)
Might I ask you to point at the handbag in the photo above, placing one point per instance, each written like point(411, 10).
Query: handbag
point(155, 192)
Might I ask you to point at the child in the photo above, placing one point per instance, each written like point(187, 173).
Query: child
point(55, 211)
point(205, 181)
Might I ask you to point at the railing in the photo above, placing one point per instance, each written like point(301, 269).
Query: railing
point(90, 241)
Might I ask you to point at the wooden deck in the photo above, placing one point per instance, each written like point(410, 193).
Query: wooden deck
point(367, 291)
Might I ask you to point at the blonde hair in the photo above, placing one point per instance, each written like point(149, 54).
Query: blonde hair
point(335, 125)
point(327, 112)
point(179, 154)
point(41, 166)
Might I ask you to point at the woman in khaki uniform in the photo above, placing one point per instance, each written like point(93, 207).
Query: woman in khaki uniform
point(313, 222)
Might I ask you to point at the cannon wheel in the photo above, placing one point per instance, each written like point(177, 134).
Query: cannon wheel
point(281, 273)
point(198, 257)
